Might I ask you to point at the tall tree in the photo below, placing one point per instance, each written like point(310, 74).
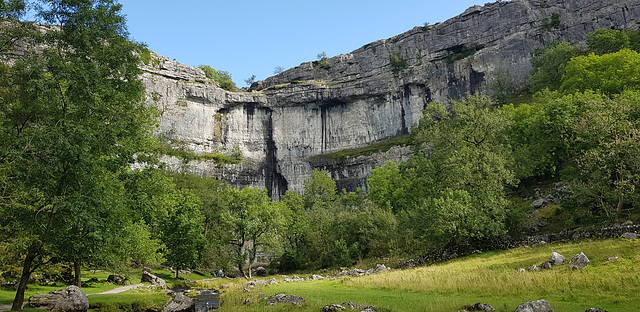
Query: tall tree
point(72, 118)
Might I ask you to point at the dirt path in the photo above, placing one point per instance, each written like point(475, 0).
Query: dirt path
point(120, 289)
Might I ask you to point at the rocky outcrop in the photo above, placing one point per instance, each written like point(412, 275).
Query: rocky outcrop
point(70, 299)
point(154, 280)
point(291, 123)
point(179, 303)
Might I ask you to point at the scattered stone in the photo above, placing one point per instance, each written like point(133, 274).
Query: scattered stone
point(612, 258)
point(284, 299)
point(179, 303)
point(556, 258)
point(355, 306)
point(71, 299)
point(595, 310)
point(578, 261)
point(533, 267)
point(316, 277)
point(272, 281)
point(630, 235)
point(246, 301)
point(154, 280)
point(293, 280)
point(333, 308)
point(478, 307)
point(146, 269)
point(535, 306)
point(521, 270)
point(546, 265)
point(115, 279)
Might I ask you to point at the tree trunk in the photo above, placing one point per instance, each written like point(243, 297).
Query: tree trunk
point(619, 208)
point(177, 272)
point(24, 279)
point(77, 273)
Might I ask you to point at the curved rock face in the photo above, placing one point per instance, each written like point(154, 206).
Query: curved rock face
point(286, 123)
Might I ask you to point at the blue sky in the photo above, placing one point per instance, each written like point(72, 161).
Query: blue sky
point(252, 37)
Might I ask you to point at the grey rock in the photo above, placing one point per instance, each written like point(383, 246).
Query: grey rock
point(595, 310)
point(539, 203)
point(272, 281)
point(612, 258)
point(154, 280)
point(284, 299)
point(179, 303)
point(535, 306)
point(479, 307)
point(355, 306)
point(533, 267)
point(535, 225)
point(579, 261)
point(71, 299)
point(546, 265)
point(333, 308)
point(629, 235)
point(627, 223)
point(115, 279)
point(556, 258)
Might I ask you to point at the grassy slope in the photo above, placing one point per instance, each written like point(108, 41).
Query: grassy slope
point(488, 278)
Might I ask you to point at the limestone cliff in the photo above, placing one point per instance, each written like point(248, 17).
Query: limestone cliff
point(286, 123)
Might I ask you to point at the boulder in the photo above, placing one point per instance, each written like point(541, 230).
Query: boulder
point(533, 267)
point(115, 279)
point(556, 259)
point(284, 299)
point(154, 280)
point(333, 308)
point(546, 265)
point(578, 261)
point(535, 306)
point(595, 310)
point(539, 203)
point(179, 303)
point(71, 299)
point(630, 235)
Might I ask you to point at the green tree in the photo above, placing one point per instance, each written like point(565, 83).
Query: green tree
point(610, 73)
point(72, 118)
point(609, 157)
point(460, 174)
point(223, 78)
point(319, 189)
point(182, 231)
point(252, 221)
point(549, 66)
point(603, 41)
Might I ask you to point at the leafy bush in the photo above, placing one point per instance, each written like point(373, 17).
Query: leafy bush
point(322, 62)
point(550, 24)
point(223, 78)
point(397, 62)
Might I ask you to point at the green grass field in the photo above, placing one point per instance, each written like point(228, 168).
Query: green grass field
point(488, 277)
